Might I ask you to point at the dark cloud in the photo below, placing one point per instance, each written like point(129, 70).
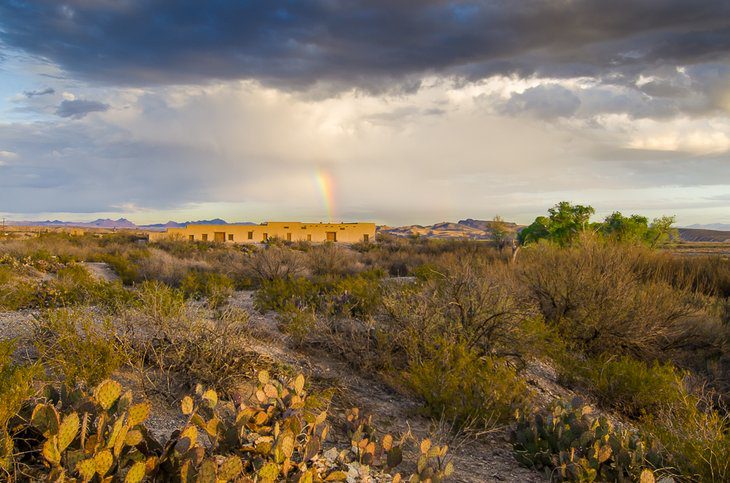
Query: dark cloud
point(78, 108)
point(545, 102)
point(370, 44)
point(44, 92)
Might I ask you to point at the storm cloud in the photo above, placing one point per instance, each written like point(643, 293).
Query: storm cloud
point(368, 44)
point(419, 111)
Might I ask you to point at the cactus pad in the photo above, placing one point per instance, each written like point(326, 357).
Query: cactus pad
point(107, 393)
point(136, 473)
point(138, 413)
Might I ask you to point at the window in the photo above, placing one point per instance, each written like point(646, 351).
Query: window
point(250, 235)
point(342, 228)
point(331, 236)
point(366, 238)
point(309, 237)
point(286, 227)
point(205, 237)
point(191, 237)
point(230, 237)
point(288, 237)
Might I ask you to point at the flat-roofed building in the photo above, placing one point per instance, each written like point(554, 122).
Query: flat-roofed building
point(283, 230)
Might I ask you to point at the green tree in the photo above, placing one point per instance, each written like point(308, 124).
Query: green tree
point(500, 233)
point(562, 226)
point(661, 231)
point(538, 230)
point(633, 229)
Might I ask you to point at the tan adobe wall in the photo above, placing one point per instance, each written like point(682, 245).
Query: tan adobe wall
point(290, 231)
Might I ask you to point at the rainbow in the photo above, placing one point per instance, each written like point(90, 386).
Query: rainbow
point(326, 189)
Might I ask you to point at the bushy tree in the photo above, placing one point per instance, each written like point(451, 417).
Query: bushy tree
point(622, 228)
point(565, 222)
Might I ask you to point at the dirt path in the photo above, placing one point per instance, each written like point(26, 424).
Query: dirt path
point(487, 459)
point(101, 271)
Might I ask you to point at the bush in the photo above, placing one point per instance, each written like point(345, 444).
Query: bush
point(75, 346)
point(462, 386)
point(280, 294)
point(217, 288)
point(160, 302)
point(634, 387)
point(695, 438)
point(592, 295)
point(175, 353)
point(274, 262)
point(331, 260)
point(297, 323)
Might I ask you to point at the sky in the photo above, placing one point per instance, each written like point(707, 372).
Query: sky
point(393, 111)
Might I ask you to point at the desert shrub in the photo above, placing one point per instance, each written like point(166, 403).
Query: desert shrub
point(75, 346)
point(695, 438)
point(173, 353)
point(569, 443)
point(469, 298)
point(162, 266)
point(16, 292)
point(123, 266)
point(297, 323)
point(331, 260)
point(352, 296)
point(275, 262)
point(160, 302)
point(16, 385)
point(634, 387)
point(215, 287)
point(592, 294)
point(456, 382)
point(279, 294)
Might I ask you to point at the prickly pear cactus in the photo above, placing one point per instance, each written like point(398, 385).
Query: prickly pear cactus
point(571, 444)
point(102, 435)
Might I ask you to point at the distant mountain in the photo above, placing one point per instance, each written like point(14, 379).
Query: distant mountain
point(712, 226)
point(123, 223)
point(469, 229)
point(697, 235)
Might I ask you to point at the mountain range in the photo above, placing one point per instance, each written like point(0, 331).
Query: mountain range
point(711, 226)
point(123, 223)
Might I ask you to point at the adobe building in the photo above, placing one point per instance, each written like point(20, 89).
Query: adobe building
point(284, 230)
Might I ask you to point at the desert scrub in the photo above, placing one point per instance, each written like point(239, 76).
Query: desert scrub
point(633, 387)
point(695, 437)
point(569, 443)
point(297, 323)
point(592, 294)
point(457, 383)
point(216, 288)
point(75, 346)
point(160, 302)
point(16, 385)
point(173, 354)
point(280, 294)
point(330, 260)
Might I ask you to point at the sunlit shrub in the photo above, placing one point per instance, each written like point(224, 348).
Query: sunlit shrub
point(75, 346)
point(459, 384)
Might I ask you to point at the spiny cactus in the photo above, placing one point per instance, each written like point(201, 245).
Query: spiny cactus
point(100, 435)
point(279, 437)
point(571, 444)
